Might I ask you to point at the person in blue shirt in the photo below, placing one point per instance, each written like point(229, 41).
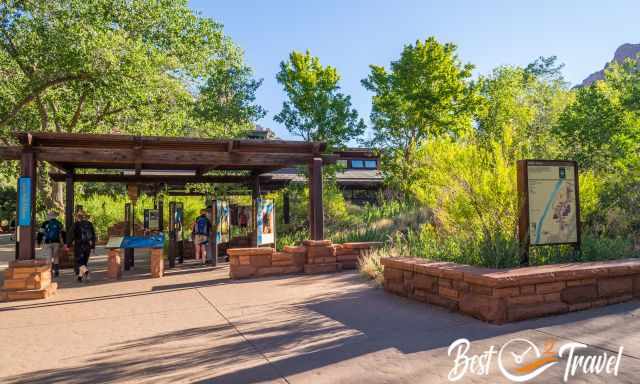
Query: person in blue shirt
point(51, 231)
point(201, 231)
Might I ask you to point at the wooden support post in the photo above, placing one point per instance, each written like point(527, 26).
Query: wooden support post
point(523, 212)
point(128, 231)
point(173, 243)
point(255, 193)
point(285, 208)
point(316, 217)
point(68, 204)
point(26, 232)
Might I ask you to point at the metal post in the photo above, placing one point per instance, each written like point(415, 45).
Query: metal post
point(161, 214)
point(285, 208)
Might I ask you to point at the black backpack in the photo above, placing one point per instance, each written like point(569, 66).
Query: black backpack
point(86, 232)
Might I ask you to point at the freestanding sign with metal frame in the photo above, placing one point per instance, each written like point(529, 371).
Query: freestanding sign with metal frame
point(221, 227)
point(265, 222)
point(549, 204)
point(176, 223)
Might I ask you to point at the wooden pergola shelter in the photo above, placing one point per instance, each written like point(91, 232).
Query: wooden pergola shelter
point(81, 157)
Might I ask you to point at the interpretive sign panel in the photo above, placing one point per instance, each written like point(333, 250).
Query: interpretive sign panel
point(265, 222)
point(114, 242)
point(222, 221)
point(152, 219)
point(549, 202)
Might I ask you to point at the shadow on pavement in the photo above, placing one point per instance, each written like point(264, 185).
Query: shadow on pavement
point(312, 335)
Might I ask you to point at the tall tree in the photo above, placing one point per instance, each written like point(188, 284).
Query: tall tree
point(520, 106)
point(597, 131)
point(316, 109)
point(105, 66)
point(425, 94)
point(227, 100)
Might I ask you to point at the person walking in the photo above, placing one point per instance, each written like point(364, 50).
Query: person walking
point(202, 230)
point(52, 237)
point(83, 237)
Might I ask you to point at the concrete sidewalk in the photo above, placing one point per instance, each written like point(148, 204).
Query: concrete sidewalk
point(196, 325)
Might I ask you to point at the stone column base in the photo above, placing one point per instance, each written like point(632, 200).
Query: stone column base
point(157, 262)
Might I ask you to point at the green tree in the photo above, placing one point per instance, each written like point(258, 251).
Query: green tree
point(227, 99)
point(597, 131)
point(520, 106)
point(426, 94)
point(107, 65)
point(625, 78)
point(316, 109)
point(112, 66)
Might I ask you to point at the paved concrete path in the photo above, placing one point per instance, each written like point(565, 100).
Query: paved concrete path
point(196, 325)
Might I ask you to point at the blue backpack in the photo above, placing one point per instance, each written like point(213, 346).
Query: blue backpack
point(202, 226)
point(52, 231)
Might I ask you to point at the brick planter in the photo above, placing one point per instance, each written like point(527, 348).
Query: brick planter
point(500, 296)
point(312, 257)
point(258, 262)
point(27, 280)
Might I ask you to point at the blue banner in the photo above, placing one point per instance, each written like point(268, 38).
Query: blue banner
point(153, 241)
point(24, 201)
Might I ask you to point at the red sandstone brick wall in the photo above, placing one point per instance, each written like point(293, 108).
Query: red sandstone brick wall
point(312, 257)
point(500, 296)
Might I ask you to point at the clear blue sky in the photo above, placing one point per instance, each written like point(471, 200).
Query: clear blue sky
point(351, 34)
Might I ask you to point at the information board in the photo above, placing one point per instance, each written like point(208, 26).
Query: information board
point(222, 221)
point(24, 201)
point(551, 206)
point(265, 222)
point(114, 242)
point(152, 219)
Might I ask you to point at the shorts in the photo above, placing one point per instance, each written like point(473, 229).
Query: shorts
point(51, 251)
point(201, 239)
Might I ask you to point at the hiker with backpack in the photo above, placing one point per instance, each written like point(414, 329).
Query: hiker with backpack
point(202, 230)
point(51, 231)
point(83, 237)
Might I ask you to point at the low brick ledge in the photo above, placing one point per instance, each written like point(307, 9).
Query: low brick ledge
point(314, 256)
point(503, 295)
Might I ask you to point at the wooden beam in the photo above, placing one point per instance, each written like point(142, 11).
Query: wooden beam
point(115, 157)
point(49, 139)
point(10, 153)
point(172, 179)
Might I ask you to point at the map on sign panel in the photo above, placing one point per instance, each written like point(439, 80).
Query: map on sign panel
point(552, 204)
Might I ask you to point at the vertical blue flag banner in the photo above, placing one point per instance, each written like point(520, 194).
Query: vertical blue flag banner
point(24, 201)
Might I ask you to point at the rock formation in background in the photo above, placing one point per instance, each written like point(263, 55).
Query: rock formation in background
point(624, 51)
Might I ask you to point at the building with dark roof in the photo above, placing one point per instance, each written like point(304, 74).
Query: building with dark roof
point(360, 178)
